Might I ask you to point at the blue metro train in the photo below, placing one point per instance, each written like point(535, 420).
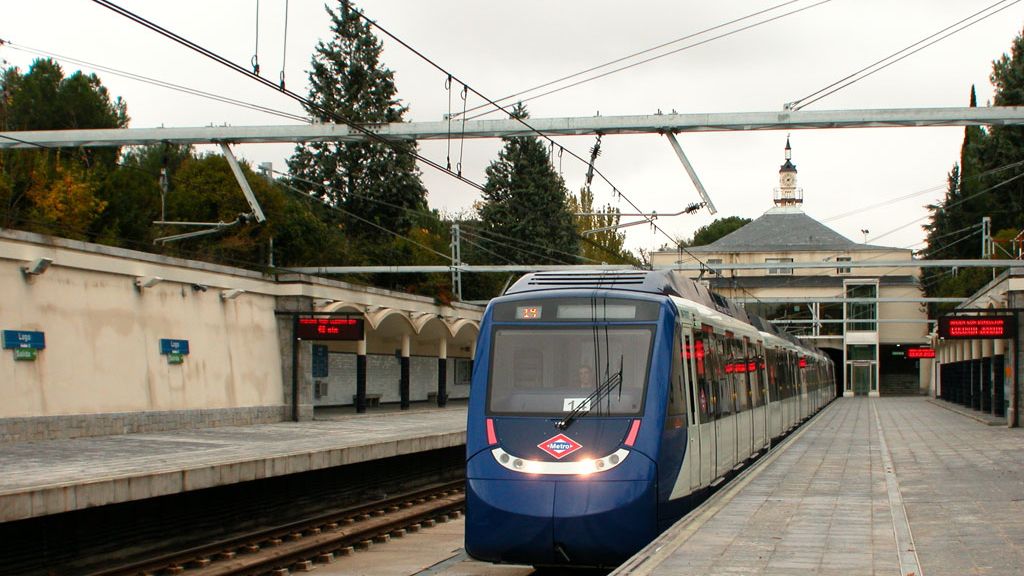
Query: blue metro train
point(605, 405)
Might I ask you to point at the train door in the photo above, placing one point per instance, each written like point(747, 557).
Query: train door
point(693, 448)
point(744, 398)
point(703, 399)
point(725, 407)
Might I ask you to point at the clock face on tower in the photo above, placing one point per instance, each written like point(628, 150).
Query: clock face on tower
point(787, 180)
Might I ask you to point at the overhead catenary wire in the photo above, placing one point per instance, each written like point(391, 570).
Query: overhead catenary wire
point(159, 83)
point(646, 51)
point(256, 51)
point(893, 59)
point(935, 188)
point(363, 220)
point(303, 100)
point(467, 229)
point(522, 121)
point(952, 204)
point(284, 44)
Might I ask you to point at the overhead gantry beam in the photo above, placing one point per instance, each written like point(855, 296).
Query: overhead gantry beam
point(649, 124)
point(681, 267)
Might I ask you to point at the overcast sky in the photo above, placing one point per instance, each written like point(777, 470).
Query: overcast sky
point(502, 48)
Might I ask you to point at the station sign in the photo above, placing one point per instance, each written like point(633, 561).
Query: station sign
point(917, 353)
point(328, 328)
point(977, 327)
point(169, 346)
point(15, 339)
point(174, 350)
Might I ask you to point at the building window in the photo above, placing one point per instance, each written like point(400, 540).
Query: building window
point(780, 271)
point(843, 259)
point(861, 316)
point(463, 371)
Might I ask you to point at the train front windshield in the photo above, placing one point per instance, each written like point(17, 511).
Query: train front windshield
point(552, 371)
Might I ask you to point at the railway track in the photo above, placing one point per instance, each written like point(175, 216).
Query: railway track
point(299, 545)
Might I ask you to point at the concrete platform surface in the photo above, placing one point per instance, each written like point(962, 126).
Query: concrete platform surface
point(41, 478)
point(870, 486)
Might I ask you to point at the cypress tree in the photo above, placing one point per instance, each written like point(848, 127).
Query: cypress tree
point(525, 199)
point(369, 180)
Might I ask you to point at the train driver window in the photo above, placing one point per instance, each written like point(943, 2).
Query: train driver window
point(528, 368)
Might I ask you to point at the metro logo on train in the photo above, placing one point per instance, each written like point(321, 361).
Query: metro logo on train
point(559, 446)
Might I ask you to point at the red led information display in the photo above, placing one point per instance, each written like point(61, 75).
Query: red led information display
point(967, 327)
point(329, 328)
point(915, 353)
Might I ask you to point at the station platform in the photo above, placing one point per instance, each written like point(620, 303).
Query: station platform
point(868, 486)
point(50, 477)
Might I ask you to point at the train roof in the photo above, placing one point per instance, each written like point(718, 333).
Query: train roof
point(663, 282)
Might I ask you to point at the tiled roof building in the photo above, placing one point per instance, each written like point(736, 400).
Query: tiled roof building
point(868, 337)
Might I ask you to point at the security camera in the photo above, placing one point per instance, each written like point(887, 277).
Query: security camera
point(147, 281)
point(37, 266)
point(199, 288)
point(231, 294)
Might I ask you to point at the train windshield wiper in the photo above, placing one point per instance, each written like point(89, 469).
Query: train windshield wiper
point(612, 381)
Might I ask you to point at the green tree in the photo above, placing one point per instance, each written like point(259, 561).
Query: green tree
point(525, 199)
point(44, 99)
point(606, 245)
point(717, 229)
point(376, 184)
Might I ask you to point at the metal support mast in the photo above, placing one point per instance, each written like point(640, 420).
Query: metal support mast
point(456, 261)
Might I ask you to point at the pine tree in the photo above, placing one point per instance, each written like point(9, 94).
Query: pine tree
point(370, 181)
point(525, 199)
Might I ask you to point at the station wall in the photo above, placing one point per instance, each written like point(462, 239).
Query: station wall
point(102, 355)
point(103, 312)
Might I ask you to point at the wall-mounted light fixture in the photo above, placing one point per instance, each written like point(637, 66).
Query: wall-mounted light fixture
point(37, 266)
point(231, 294)
point(147, 281)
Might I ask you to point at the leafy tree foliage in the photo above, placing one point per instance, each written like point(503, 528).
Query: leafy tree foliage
point(377, 185)
point(717, 229)
point(606, 245)
point(525, 199)
point(33, 181)
point(980, 185)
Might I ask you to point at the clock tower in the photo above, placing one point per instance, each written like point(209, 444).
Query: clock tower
point(787, 194)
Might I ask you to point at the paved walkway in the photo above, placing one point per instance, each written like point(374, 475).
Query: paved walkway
point(40, 478)
point(870, 486)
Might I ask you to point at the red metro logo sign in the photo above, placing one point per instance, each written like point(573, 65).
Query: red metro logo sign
point(976, 327)
point(559, 446)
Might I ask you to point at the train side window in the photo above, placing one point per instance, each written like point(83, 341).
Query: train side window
point(723, 385)
point(689, 381)
point(702, 377)
point(676, 400)
point(754, 373)
point(739, 374)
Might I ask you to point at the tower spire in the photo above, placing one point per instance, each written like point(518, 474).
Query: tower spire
point(787, 193)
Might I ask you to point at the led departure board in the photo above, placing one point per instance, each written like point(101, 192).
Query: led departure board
point(917, 353)
point(973, 327)
point(329, 328)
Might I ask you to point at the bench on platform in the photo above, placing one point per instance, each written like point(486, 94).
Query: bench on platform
point(371, 400)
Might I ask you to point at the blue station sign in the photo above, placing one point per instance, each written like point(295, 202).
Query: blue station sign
point(169, 346)
point(14, 339)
